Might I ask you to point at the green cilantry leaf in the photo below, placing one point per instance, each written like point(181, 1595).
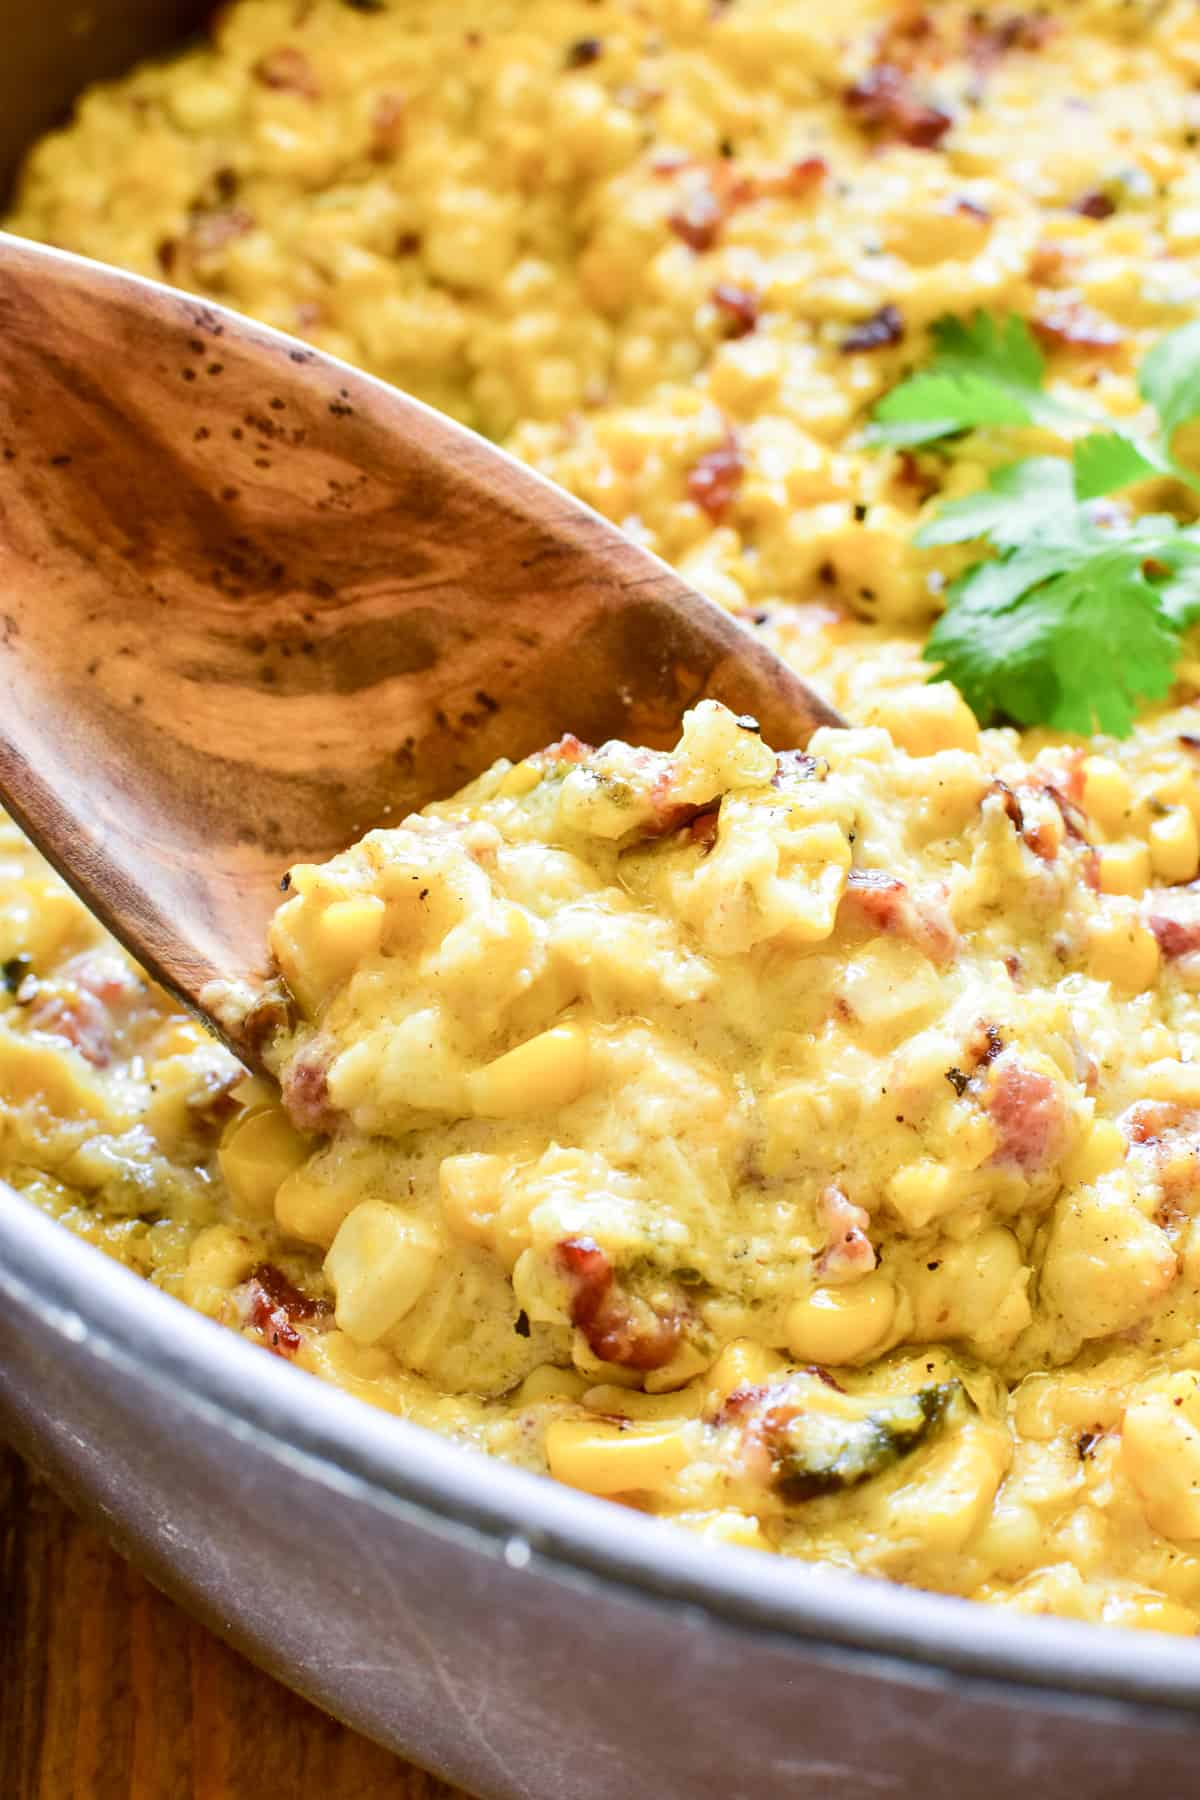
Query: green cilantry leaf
point(1169, 378)
point(1020, 499)
point(985, 371)
point(1105, 461)
point(1071, 635)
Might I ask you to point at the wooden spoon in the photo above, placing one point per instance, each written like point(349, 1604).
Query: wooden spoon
point(253, 603)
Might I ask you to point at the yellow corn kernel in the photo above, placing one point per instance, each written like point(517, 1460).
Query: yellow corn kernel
point(1151, 1612)
point(1174, 845)
point(347, 932)
point(922, 1191)
point(379, 1265)
point(311, 1208)
point(632, 1403)
point(254, 1091)
point(218, 1260)
point(925, 720)
point(1107, 792)
point(741, 1531)
point(602, 1458)
point(1100, 1150)
point(1122, 948)
point(1160, 1453)
point(841, 1324)
point(547, 1382)
point(183, 1037)
point(742, 1363)
point(550, 1070)
point(1124, 868)
point(521, 779)
point(470, 1188)
point(258, 1151)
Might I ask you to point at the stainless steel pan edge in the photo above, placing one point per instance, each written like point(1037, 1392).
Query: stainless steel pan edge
point(526, 1641)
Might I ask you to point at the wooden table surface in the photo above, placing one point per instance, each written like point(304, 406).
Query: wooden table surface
point(109, 1692)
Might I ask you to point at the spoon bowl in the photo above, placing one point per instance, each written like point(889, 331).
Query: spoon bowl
point(255, 603)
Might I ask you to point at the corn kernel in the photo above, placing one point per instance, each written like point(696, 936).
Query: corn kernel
point(257, 1153)
point(922, 1191)
point(521, 779)
point(742, 1363)
point(841, 1324)
point(610, 1459)
point(1174, 845)
point(1124, 868)
point(379, 1264)
point(924, 720)
point(1107, 792)
point(309, 1207)
point(1099, 1151)
point(547, 1382)
point(550, 1070)
point(1160, 1453)
point(1122, 948)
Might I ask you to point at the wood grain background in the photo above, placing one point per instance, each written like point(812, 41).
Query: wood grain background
point(110, 1692)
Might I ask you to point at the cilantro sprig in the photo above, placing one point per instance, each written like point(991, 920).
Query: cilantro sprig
point(1074, 612)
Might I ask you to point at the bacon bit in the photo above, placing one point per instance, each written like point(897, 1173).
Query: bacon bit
point(882, 902)
point(568, 749)
point(1148, 1121)
point(305, 1090)
point(1189, 740)
point(1014, 967)
point(714, 480)
point(1047, 262)
point(1072, 325)
point(1176, 937)
point(79, 1018)
point(212, 231)
point(584, 51)
point(884, 104)
point(618, 1328)
point(703, 829)
point(883, 328)
point(698, 220)
point(797, 180)
point(983, 1046)
point(1012, 806)
point(908, 474)
point(987, 40)
point(739, 306)
point(1095, 204)
point(274, 1304)
point(388, 118)
point(288, 70)
point(848, 1251)
point(1027, 1110)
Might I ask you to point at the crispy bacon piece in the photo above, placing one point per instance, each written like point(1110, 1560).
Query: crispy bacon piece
point(569, 749)
point(273, 1305)
point(1173, 915)
point(738, 307)
point(305, 1090)
point(848, 1251)
point(1095, 204)
point(618, 1328)
point(1027, 1110)
point(1073, 325)
point(212, 231)
point(882, 329)
point(388, 120)
point(887, 106)
point(103, 987)
point(987, 40)
point(878, 901)
point(698, 219)
point(714, 480)
point(288, 70)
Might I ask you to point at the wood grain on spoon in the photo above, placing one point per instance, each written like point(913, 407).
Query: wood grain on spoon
point(253, 603)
